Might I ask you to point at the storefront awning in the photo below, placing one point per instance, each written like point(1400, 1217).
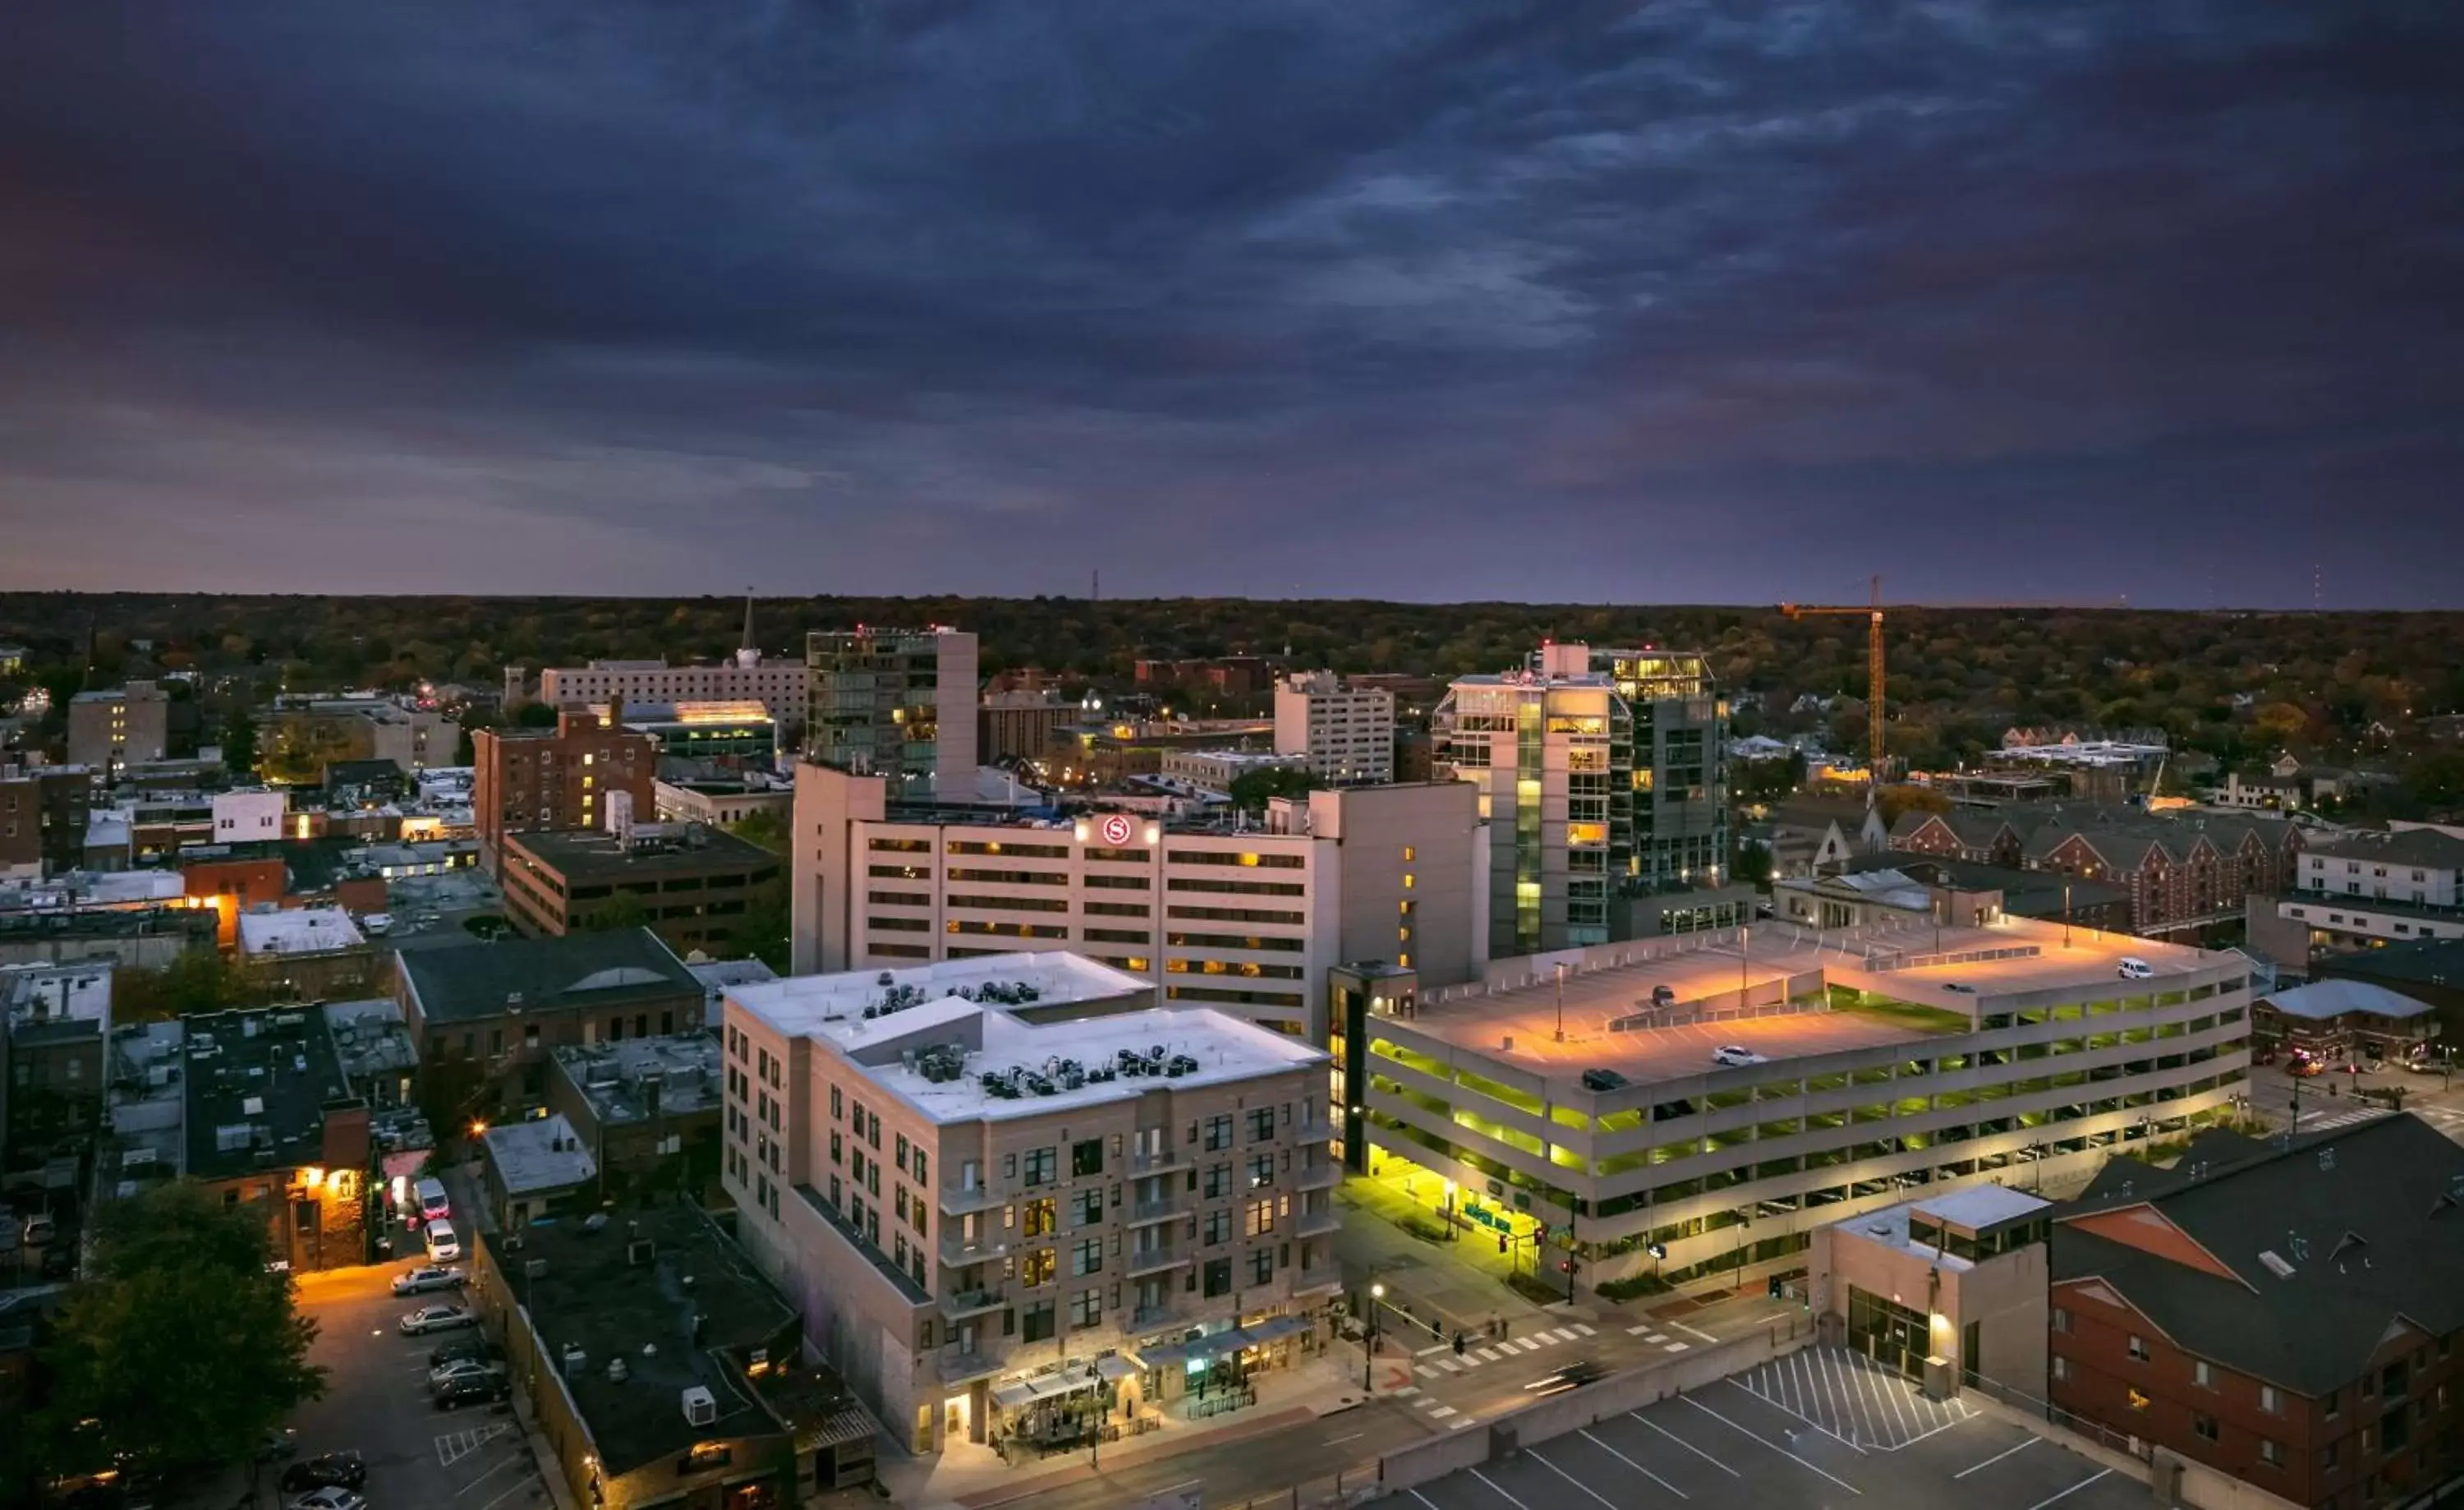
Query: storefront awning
point(1043, 1386)
point(1010, 1396)
point(1113, 1366)
point(1274, 1328)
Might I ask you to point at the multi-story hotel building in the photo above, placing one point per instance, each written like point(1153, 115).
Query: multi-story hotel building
point(1013, 1199)
point(1850, 1070)
point(777, 685)
point(1241, 920)
point(1343, 733)
point(900, 704)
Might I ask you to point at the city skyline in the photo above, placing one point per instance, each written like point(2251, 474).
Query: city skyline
point(2074, 303)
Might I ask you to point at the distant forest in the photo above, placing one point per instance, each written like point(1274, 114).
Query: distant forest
point(2239, 685)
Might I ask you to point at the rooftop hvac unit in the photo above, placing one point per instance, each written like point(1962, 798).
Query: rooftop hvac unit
point(701, 1407)
point(639, 1251)
point(576, 1359)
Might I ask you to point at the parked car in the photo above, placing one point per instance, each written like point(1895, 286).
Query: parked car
point(470, 1345)
point(40, 1227)
point(325, 1471)
point(437, 1318)
point(2131, 968)
point(443, 1245)
point(333, 1496)
point(1663, 996)
point(1732, 1055)
point(1961, 986)
point(276, 1445)
point(427, 1277)
point(456, 1393)
point(454, 1369)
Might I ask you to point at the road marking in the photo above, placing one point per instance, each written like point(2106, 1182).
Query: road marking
point(1531, 1345)
point(1696, 1330)
point(1799, 1415)
point(1656, 1338)
point(1442, 1412)
point(1638, 1331)
point(516, 1487)
point(509, 1458)
point(1333, 1441)
point(455, 1446)
point(1533, 1454)
point(1688, 1446)
point(1404, 1393)
point(1435, 1347)
point(1457, 1425)
point(2072, 1490)
point(1998, 1458)
point(1646, 1472)
point(1487, 1354)
point(1676, 1348)
point(1492, 1483)
point(1541, 1339)
point(1964, 1415)
point(1775, 1447)
point(1468, 1359)
point(1584, 1330)
point(1423, 1499)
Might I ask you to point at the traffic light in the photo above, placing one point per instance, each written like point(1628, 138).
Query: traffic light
point(1459, 1344)
point(1500, 1242)
point(1771, 1287)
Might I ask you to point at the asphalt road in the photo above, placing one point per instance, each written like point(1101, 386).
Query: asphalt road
point(1263, 1468)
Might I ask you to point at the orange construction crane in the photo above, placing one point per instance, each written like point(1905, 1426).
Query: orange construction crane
point(1872, 678)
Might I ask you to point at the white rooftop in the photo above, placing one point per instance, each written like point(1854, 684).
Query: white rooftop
point(2333, 998)
point(1980, 1206)
point(802, 1004)
point(46, 991)
point(298, 930)
point(541, 1154)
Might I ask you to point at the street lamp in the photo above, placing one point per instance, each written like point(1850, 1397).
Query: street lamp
point(1369, 1345)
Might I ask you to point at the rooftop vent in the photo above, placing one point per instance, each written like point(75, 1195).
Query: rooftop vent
point(2275, 1264)
point(575, 1359)
point(639, 1251)
point(701, 1407)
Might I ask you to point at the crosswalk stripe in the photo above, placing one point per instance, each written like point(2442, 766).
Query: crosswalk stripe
point(1442, 1412)
point(1583, 1329)
point(1487, 1354)
point(1674, 1347)
point(1638, 1331)
point(1537, 1338)
point(1469, 1420)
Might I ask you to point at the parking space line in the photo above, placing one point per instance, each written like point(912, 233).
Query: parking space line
point(1688, 1446)
point(1971, 1468)
point(1963, 1414)
point(1773, 1446)
point(1869, 1396)
point(1646, 1472)
point(2072, 1490)
point(488, 1473)
point(1800, 1415)
point(1492, 1483)
point(1533, 1454)
point(1423, 1499)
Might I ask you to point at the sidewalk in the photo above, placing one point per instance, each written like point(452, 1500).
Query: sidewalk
point(972, 1477)
point(1458, 1283)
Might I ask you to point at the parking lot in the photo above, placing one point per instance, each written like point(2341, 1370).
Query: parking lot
point(1725, 1444)
point(377, 1402)
point(1850, 1397)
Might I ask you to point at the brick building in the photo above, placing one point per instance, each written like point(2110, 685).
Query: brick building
point(532, 780)
point(693, 886)
point(2178, 873)
point(2288, 1315)
point(1980, 839)
point(111, 729)
point(42, 818)
point(272, 1122)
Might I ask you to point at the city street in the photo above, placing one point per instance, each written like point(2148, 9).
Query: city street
point(2431, 1097)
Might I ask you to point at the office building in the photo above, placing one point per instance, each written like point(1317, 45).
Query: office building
point(55, 1022)
point(690, 885)
point(729, 732)
point(327, 731)
point(109, 729)
point(1681, 763)
point(1239, 919)
point(1004, 1228)
point(1216, 770)
point(1343, 733)
point(1017, 724)
point(895, 704)
point(779, 685)
point(1550, 751)
point(1900, 1062)
point(534, 781)
point(2286, 1315)
point(43, 812)
point(723, 802)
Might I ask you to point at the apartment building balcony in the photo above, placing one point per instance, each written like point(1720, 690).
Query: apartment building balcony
point(1318, 1174)
point(1322, 1278)
point(1156, 1259)
point(1164, 1313)
point(1146, 1213)
point(960, 1304)
point(958, 1366)
point(1170, 1159)
point(1316, 1221)
point(960, 1201)
point(959, 1251)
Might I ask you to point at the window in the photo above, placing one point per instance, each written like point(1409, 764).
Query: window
point(1260, 1218)
point(837, 1150)
point(2391, 1380)
point(2061, 1367)
point(1088, 1259)
point(1261, 1266)
point(2270, 1452)
point(1219, 1180)
point(2202, 1375)
point(2269, 1400)
point(1261, 1123)
point(1086, 1158)
point(2138, 1348)
point(1039, 1218)
point(1041, 1165)
point(2333, 1404)
point(900, 1159)
point(1086, 1308)
point(1219, 1227)
point(2205, 1424)
point(922, 1177)
point(1218, 1277)
point(1036, 1267)
point(1262, 1170)
point(1038, 1321)
point(835, 1104)
point(1087, 1207)
point(2327, 1458)
point(2061, 1321)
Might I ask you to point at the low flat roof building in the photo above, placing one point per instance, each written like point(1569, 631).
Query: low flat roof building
point(1959, 1276)
point(647, 1109)
point(535, 1167)
point(1736, 1093)
point(660, 1366)
point(1004, 1228)
point(692, 887)
point(311, 951)
point(271, 1120)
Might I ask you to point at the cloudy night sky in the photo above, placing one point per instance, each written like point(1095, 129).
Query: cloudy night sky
point(1717, 301)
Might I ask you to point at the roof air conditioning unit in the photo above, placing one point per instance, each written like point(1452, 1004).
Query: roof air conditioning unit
point(576, 1360)
point(701, 1408)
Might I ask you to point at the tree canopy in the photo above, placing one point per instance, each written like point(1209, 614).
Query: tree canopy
point(1252, 790)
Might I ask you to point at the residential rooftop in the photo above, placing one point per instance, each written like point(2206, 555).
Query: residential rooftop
point(1611, 1022)
point(299, 930)
point(539, 1154)
point(2425, 848)
point(257, 1083)
point(837, 1003)
point(668, 1310)
point(370, 1038)
point(79, 990)
point(615, 1078)
point(465, 981)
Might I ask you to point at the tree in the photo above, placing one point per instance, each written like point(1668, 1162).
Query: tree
point(763, 932)
point(765, 828)
point(1251, 791)
point(535, 716)
point(239, 743)
point(1752, 865)
point(623, 910)
point(2279, 723)
point(1896, 800)
point(183, 1350)
point(197, 981)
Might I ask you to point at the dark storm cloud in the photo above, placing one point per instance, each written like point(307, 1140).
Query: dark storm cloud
point(1559, 299)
